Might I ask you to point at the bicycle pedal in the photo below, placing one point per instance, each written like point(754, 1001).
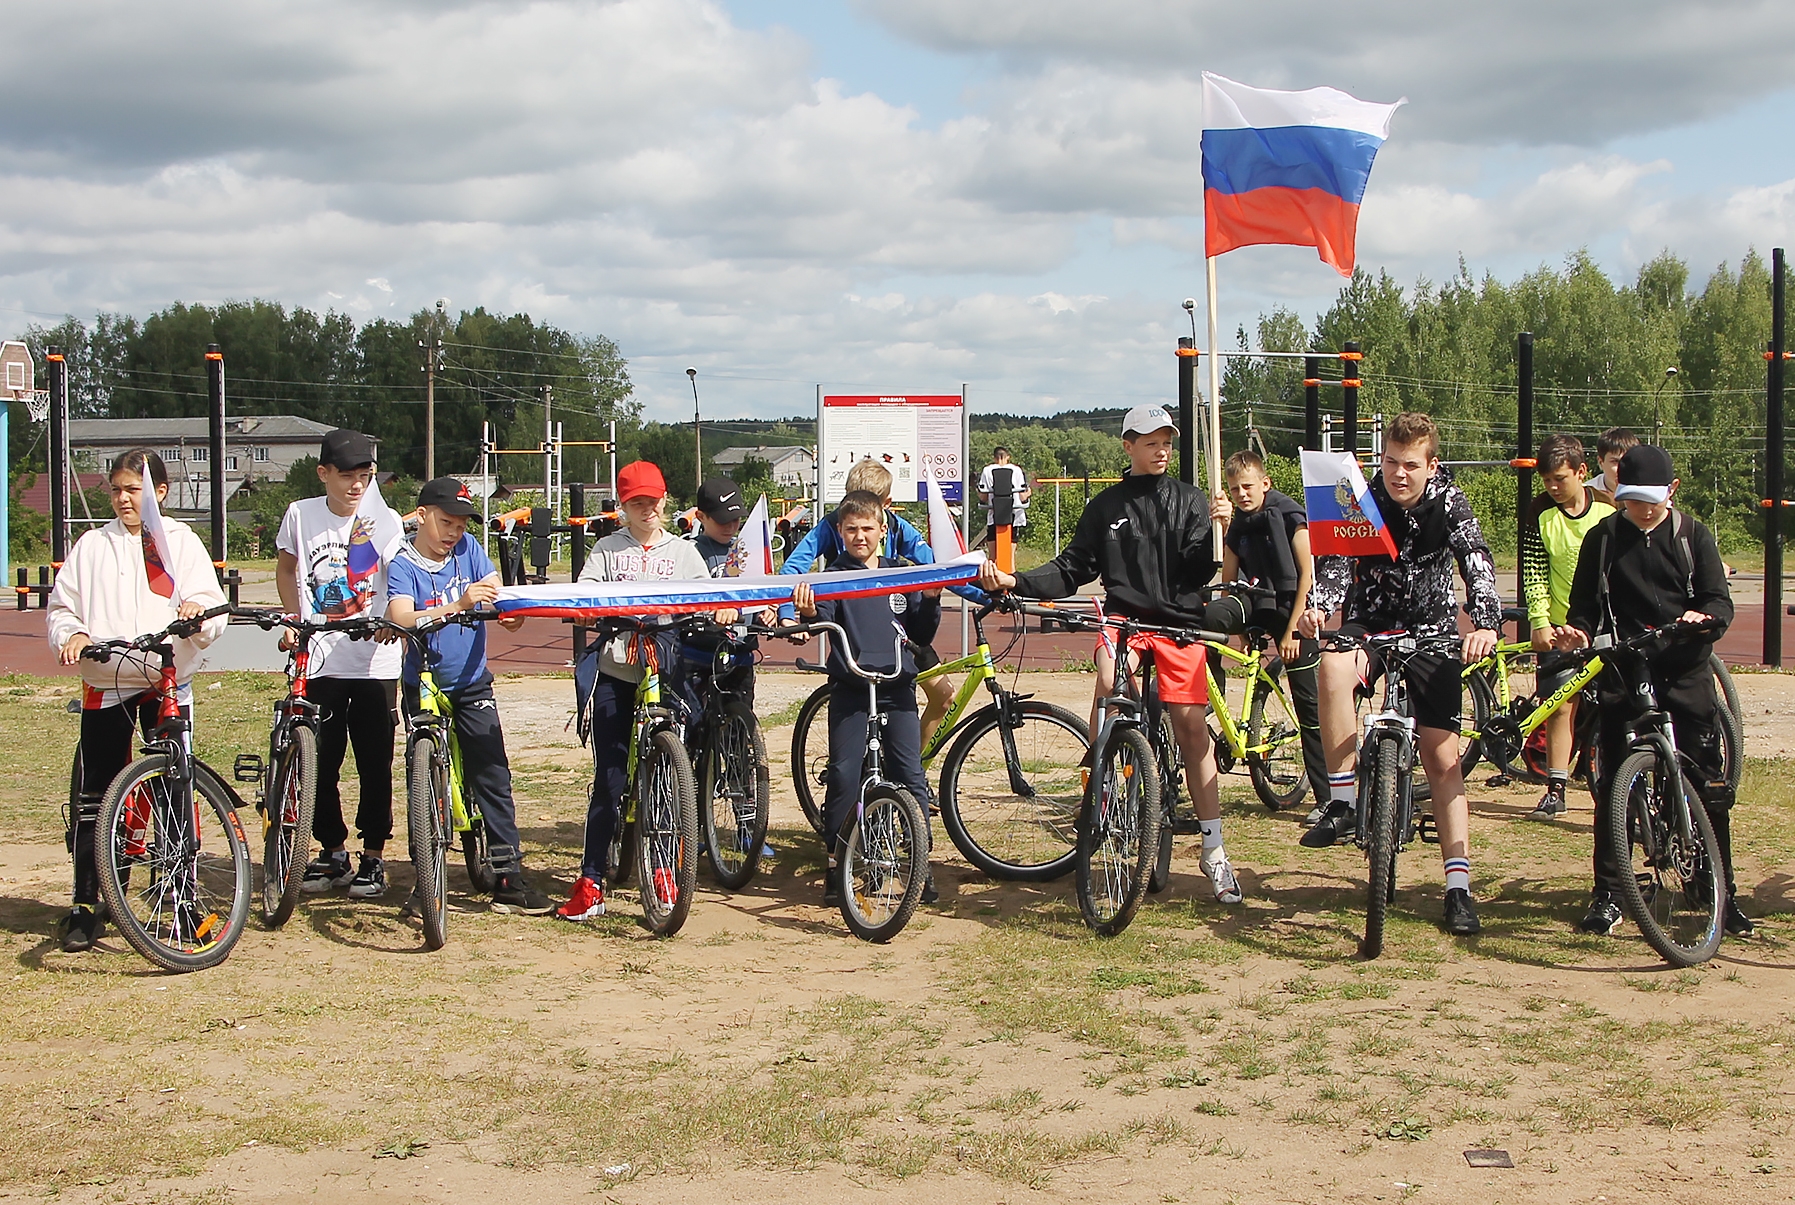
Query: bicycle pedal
point(1426, 830)
point(247, 768)
point(1498, 780)
point(1184, 826)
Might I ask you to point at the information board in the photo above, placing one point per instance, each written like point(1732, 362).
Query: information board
point(901, 431)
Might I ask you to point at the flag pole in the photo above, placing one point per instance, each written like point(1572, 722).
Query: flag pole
point(1215, 399)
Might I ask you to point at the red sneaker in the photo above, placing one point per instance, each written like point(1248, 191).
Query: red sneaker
point(665, 889)
point(586, 903)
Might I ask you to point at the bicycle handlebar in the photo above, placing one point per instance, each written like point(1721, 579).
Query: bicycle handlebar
point(846, 653)
point(104, 650)
point(1180, 635)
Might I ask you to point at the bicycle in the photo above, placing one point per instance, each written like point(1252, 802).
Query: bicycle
point(882, 853)
point(1269, 742)
point(657, 826)
point(733, 778)
point(170, 816)
point(1387, 819)
point(1010, 781)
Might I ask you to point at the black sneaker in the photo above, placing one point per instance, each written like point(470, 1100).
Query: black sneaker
point(370, 879)
point(1461, 917)
point(80, 929)
point(1550, 806)
point(1737, 923)
point(326, 872)
point(831, 888)
point(1337, 824)
point(513, 893)
point(1603, 917)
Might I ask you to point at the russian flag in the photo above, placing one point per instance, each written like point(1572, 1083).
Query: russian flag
point(1343, 516)
point(1287, 167)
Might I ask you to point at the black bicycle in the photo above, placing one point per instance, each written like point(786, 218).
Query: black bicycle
point(730, 756)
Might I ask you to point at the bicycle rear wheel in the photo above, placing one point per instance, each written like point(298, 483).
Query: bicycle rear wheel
point(287, 826)
point(1380, 845)
point(1280, 778)
point(475, 852)
point(1016, 820)
point(1668, 858)
point(883, 863)
point(1118, 827)
point(667, 833)
point(174, 872)
point(733, 793)
point(810, 754)
point(427, 822)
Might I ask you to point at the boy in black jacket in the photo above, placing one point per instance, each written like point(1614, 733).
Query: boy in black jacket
point(1645, 567)
point(873, 625)
point(1148, 539)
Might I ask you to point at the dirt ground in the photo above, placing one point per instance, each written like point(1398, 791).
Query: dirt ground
point(994, 1051)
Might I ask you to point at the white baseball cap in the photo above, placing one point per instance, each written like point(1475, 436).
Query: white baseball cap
point(1144, 420)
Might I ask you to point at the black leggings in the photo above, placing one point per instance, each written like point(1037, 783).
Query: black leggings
point(358, 711)
point(108, 745)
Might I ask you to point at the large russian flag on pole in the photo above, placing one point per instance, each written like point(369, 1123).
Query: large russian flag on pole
point(1287, 167)
point(1343, 516)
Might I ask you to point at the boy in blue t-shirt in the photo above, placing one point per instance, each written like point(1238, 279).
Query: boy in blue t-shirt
point(444, 571)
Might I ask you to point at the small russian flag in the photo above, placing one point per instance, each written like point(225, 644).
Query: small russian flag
point(1343, 516)
point(1287, 167)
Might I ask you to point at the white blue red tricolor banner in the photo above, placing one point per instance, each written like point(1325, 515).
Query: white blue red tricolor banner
point(601, 600)
point(1343, 516)
point(1287, 167)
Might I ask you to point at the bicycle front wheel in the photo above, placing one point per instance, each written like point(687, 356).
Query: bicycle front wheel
point(287, 826)
point(427, 819)
point(733, 792)
point(1668, 859)
point(173, 866)
point(1275, 752)
point(1118, 832)
point(810, 755)
point(1009, 801)
point(883, 863)
point(1380, 845)
point(667, 833)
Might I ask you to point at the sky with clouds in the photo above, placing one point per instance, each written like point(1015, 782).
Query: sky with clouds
point(900, 195)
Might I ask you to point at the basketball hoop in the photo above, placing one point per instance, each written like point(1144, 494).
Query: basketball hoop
point(37, 404)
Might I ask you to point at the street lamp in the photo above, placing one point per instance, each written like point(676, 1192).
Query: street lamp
point(1657, 392)
point(697, 438)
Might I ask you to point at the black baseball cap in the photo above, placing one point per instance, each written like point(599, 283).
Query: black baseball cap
point(448, 495)
point(721, 499)
point(1644, 475)
point(346, 449)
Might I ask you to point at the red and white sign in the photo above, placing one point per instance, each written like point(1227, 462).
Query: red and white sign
point(901, 431)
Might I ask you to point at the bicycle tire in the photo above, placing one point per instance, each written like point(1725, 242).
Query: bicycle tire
point(1115, 827)
point(1732, 744)
point(886, 845)
point(1678, 870)
point(810, 764)
point(734, 792)
point(1729, 690)
point(667, 832)
point(1380, 847)
point(287, 813)
point(1004, 834)
point(427, 824)
point(476, 852)
point(204, 874)
point(1278, 780)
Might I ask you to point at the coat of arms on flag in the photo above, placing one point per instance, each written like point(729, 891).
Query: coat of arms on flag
point(1344, 519)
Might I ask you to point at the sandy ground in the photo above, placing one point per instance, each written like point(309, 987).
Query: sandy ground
point(763, 981)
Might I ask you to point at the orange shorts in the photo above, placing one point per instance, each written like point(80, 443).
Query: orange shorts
point(1180, 667)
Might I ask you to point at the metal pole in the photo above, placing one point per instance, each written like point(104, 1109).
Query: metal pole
point(697, 436)
point(548, 444)
point(1187, 409)
point(57, 455)
point(486, 485)
point(965, 507)
point(613, 451)
point(1056, 518)
point(1773, 472)
point(215, 427)
point(5, 492)
point(1349, 389)
point(1312, 403)
point(432, 352)
point(1524, 448)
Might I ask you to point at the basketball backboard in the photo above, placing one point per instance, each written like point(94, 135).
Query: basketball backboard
point(17, 373)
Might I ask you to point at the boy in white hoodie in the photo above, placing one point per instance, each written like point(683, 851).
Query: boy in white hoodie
point(114, 587)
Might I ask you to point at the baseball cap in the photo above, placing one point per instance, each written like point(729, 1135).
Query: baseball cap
point(721, 499)
point(448, 495)
point(346, 449)
point(640, 479)
point(1645, 475)
point(1144, 420)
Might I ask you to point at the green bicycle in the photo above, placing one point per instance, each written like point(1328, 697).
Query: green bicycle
point(1267, 736)
point(1011, 779)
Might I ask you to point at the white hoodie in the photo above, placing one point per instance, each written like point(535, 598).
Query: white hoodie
point(104, 591)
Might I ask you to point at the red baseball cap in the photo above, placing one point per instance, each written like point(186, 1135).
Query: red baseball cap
point(640, 479)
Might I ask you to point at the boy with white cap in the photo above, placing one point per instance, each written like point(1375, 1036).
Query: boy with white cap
point(1149, 539)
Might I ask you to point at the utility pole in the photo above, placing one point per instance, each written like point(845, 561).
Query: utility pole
point(548, 447)
point(697, 437)
point(433, 351)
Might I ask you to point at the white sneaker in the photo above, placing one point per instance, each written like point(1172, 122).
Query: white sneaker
point(1222, 879)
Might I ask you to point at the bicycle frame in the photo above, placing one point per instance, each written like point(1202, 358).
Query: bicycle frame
point(651, 717)
point(1257, 678)
point(1393, 722)
point(434, 702)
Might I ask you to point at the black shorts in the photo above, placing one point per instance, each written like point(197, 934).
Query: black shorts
point(1435, 683)
point(1551, 671)
point(925, 656)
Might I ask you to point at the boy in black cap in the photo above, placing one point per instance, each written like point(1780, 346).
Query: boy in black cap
point(720, 512)
point(354, 682)
point(1644, 567)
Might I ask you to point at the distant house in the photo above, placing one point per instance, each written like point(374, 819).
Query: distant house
point(793, 465)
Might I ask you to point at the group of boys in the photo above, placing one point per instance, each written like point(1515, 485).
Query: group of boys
point(1610, 556)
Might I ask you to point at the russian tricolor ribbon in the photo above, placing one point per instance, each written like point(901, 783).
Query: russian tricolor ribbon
point(1287, 167)
point(157, 557)
point(1343, 516)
